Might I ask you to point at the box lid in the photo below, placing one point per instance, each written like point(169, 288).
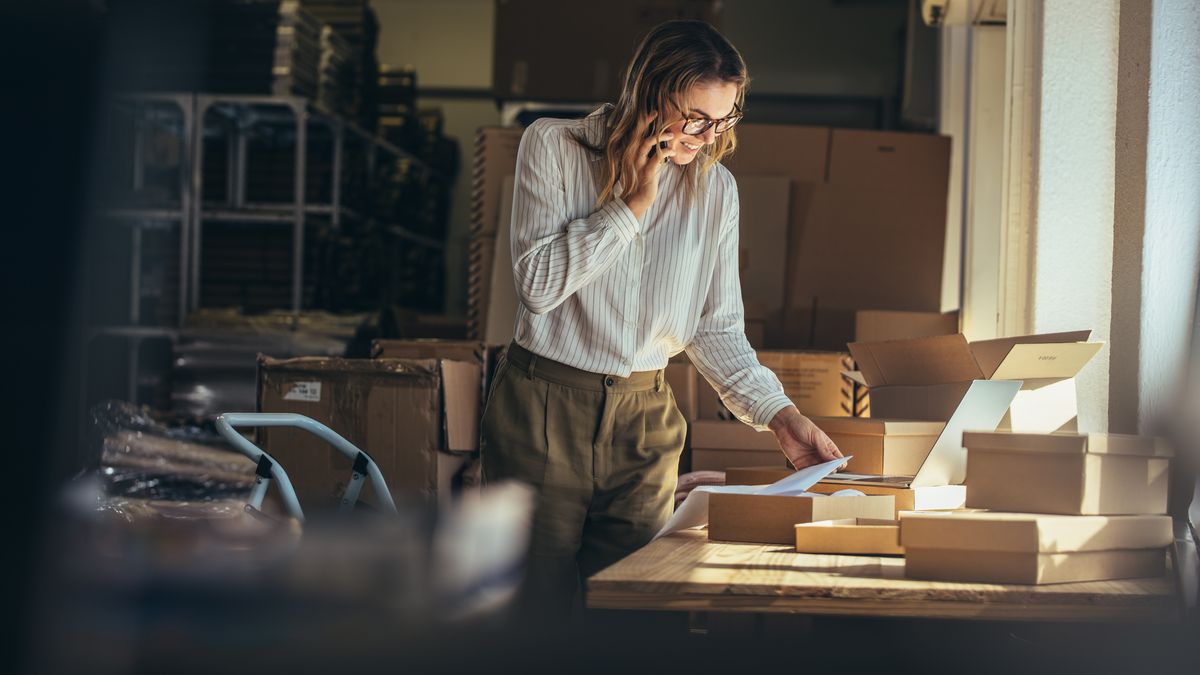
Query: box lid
point(1032, 532)
point(1067, 443)
point(941, 359)
point(874, 426)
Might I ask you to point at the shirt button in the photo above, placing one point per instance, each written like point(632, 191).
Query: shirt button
point(608, 382)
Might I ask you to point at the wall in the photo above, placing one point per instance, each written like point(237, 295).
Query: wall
point(1171, 254)
point(1073, 236)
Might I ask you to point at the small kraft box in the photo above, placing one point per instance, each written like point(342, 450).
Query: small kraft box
point(1027, 548)
point(772, 519)
point(1067, 473)
point(720, 444)
point(882, 446)
point(850, 536)
point(417, 418)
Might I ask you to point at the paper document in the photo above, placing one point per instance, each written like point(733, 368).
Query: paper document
point(693, 512)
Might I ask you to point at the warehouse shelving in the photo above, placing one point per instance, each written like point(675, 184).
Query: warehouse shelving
point(188, 203)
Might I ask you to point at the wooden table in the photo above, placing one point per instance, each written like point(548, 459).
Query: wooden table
point(686, 572)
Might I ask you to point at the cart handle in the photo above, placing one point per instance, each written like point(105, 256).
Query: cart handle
point(364, 465)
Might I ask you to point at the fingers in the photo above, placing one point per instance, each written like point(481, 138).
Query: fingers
point(650, 147)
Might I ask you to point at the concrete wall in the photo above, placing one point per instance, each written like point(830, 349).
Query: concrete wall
point(1073, 237)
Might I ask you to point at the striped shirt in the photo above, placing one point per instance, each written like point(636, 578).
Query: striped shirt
point(604, 292)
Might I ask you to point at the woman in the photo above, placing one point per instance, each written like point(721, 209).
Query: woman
point(625, 250)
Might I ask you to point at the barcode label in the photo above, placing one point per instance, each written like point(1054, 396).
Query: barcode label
point(304, 391)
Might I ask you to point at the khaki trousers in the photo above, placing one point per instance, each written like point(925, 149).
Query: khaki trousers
point(601, 451)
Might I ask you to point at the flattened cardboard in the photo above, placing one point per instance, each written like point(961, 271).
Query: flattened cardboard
point(501, 316)
point(941, 497)
point(682, 379)
point(859, 200)
point(417, 418)
point(880, 446)
point(813, 380)
point(1064, 473)
point(1032, 568)
point(874, 325)
point(718, 444)
point(763, 230)
point(771, 519)
point(850, 536)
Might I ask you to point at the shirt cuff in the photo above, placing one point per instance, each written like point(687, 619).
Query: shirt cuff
point(622, 219)
point(767, 409)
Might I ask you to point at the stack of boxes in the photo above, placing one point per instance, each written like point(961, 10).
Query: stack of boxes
point(1058, 508)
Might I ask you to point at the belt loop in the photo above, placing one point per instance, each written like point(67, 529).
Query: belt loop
point(658, 381)
point(533, 359)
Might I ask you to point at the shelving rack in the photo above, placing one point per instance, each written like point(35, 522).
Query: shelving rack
point(194, 120)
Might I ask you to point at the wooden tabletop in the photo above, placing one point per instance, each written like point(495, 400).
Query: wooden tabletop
point(686, 572)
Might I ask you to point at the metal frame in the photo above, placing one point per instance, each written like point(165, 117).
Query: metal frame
point(268, 467)
point(191, 213)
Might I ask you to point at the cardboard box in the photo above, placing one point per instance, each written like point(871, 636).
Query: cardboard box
point(1067, 473)
point(924, 378)
point(495, 159)
point(822, 328)
point(813, 380)
point(882, 446)
point(772, 519)
point(535, 60)
point(908, 498)
point(500, 318)
point(417, 418)
point(850, 536)
point(1019, 548)
point(873, 325)
point(860, 200)
point(717, 444)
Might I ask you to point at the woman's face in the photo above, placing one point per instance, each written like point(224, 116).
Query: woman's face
point(711, 100)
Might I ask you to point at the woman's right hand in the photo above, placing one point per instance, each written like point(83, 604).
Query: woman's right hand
point(651, 159)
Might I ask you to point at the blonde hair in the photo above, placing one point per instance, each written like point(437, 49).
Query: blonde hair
point(671, 59)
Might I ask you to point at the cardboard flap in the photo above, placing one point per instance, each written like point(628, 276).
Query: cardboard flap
point(918, 361)
point(989, 354)
point(460, 400)
point(1045, 361)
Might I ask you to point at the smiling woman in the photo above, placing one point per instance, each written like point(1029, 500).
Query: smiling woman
point(612, 282)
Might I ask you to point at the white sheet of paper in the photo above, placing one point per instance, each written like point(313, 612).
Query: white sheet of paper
point(693, 512)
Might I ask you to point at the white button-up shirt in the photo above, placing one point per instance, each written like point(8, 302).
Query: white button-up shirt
point(607, 293)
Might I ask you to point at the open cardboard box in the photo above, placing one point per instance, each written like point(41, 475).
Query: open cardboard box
point(1028, 548)
point(926, 378)
point(908, 498)
point(937, 484)
point(771, 519)
point(850, 536)
point(1067, 473)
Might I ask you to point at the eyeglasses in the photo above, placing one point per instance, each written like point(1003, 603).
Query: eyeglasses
point(697, 126)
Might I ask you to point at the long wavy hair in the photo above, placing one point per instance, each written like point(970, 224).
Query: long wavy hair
point(671, 59)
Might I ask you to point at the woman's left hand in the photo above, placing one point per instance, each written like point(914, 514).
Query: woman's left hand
point(802, 442)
